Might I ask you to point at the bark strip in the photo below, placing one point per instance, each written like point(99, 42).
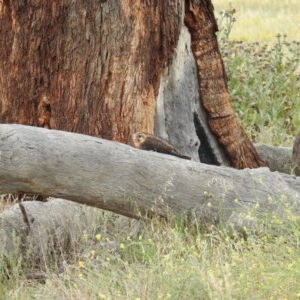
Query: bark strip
point(215, 98)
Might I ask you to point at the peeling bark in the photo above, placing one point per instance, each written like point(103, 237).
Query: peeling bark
point(215, 98)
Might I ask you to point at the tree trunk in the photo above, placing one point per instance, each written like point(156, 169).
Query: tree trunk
point(91, 67)
point(106, 68)
point(134, 182)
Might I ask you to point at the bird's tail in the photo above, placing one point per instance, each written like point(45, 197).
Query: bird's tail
point(180, 155)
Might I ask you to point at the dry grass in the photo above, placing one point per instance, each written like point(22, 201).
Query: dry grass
point(172, 262)
point(261, 20)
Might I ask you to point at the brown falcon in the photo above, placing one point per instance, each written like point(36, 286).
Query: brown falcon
point(150, 142)
point(296, 155)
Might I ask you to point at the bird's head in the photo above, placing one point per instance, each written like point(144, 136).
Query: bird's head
point(138, 138)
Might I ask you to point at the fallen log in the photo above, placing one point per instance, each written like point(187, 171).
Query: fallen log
point(277, 158)
point(55, 231)
point(49, 222)
point(134, 183)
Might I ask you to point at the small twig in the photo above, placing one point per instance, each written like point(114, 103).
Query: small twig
point(25, 218)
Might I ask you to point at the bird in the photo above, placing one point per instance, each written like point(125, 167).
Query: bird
point(150, 142)
point(296, 155)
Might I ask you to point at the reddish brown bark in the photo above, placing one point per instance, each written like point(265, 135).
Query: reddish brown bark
point(95, 66)
point(85, 66)
point(215, 98)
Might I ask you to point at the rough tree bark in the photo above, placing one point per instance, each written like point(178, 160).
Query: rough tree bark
point(200, 20)
point(103, 68)
point(133, 182)
point(92, 67)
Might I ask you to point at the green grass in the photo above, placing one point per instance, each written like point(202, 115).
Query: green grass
point(264, 83)
point(174, 262)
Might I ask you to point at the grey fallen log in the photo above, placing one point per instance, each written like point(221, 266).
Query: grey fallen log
point(55, 227)
point(50, 222)
point(277, 158)
point(132, 182)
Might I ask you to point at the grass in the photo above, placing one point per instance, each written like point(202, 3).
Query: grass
point(171, 261)
point(264, 82)
point(262, 20)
